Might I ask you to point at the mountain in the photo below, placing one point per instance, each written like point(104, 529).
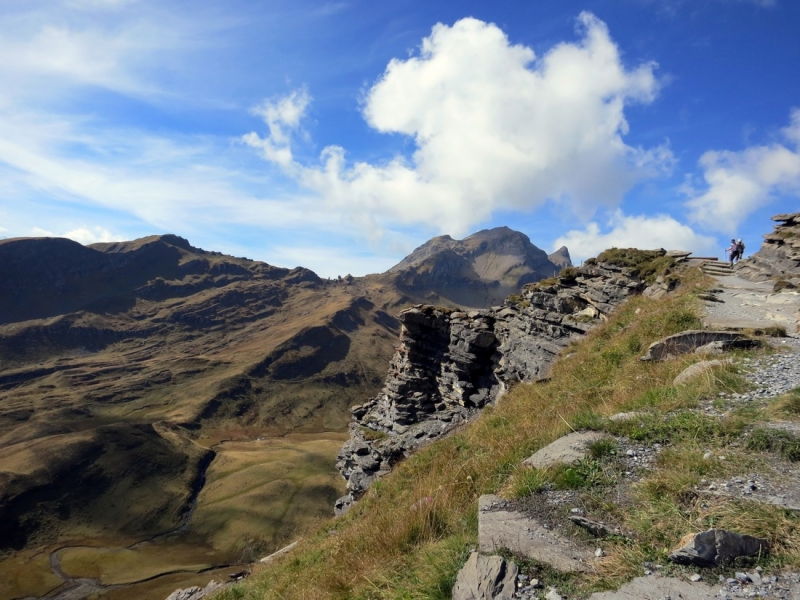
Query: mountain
point(129, 372)
point(560, 258)
point(478, 271)
point(149, 387)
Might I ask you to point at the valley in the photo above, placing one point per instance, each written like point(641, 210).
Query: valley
point(165, 410)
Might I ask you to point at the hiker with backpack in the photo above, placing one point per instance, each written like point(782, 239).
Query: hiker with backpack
point(732, 251)
point(736, 251)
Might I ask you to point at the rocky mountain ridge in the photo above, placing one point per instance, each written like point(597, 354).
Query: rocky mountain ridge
point(451, 363)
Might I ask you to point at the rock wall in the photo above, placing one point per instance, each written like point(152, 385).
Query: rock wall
point(450, 364)
point(779, 256)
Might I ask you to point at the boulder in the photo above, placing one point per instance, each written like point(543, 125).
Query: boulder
point(486, 578)
point(688, 341)
point(566, 449)
point(696, 369)
point(716, 547)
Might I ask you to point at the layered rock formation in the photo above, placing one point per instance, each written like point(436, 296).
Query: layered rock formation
point(451, 363)
point(779, 256)
point(478, 271)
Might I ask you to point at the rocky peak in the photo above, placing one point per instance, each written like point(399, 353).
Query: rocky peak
point(478, 271)
point(561, 257)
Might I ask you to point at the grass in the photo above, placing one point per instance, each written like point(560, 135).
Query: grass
point(774, 440)
point(125, 565)
point(27, 574)
point(409, 536)
point(788, 404)
point(648, 264)
point(261, 494)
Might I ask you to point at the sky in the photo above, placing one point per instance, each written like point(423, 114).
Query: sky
point(339, 136)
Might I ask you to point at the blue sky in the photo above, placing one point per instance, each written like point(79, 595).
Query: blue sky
point(341, 135)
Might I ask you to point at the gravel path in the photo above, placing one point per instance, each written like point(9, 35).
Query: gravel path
point(750, 304)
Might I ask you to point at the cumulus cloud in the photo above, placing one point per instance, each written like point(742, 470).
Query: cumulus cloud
point(635, 231)
point(82, 235)
point(494, 127)
point(283, 118)
point(738, 183)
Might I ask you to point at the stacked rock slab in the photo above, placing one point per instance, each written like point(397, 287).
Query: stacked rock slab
point(779, 255)
point(450, 364)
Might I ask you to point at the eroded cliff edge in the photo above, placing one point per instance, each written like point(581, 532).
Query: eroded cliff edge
point(450, 364)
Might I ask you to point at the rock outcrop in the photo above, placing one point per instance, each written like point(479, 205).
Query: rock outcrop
point(779, 256)
point(451, 363)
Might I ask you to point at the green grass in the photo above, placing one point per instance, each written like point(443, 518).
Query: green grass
point(774, 440)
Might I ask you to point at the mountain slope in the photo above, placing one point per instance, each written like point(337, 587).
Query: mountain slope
point(171, 348)
point(142, 380)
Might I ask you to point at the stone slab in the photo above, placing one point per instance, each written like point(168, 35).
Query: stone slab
point(566, 449)
point(501, 528)
point(486, 578)
point(658, 588)
point(687, 341)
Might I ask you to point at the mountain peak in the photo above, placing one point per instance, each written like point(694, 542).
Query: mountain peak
point(561, 257)
point(478, 271)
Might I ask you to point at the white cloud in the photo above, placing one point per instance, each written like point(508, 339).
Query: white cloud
point(283, 118)
point(82, 235)
point(494, 126)
point(646, 232)
point(738, 183)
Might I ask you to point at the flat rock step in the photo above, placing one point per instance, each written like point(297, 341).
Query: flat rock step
point(658, 588)
point(736, 324)
point(566, 449)
point(499, 528)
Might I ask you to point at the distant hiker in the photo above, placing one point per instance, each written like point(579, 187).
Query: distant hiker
point(739, 250)
point(733, 251)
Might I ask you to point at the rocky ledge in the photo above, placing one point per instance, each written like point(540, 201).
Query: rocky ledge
point(779, 256)
point(450, 364)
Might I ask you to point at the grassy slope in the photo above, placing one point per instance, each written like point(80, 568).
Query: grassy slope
point(411, 533)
